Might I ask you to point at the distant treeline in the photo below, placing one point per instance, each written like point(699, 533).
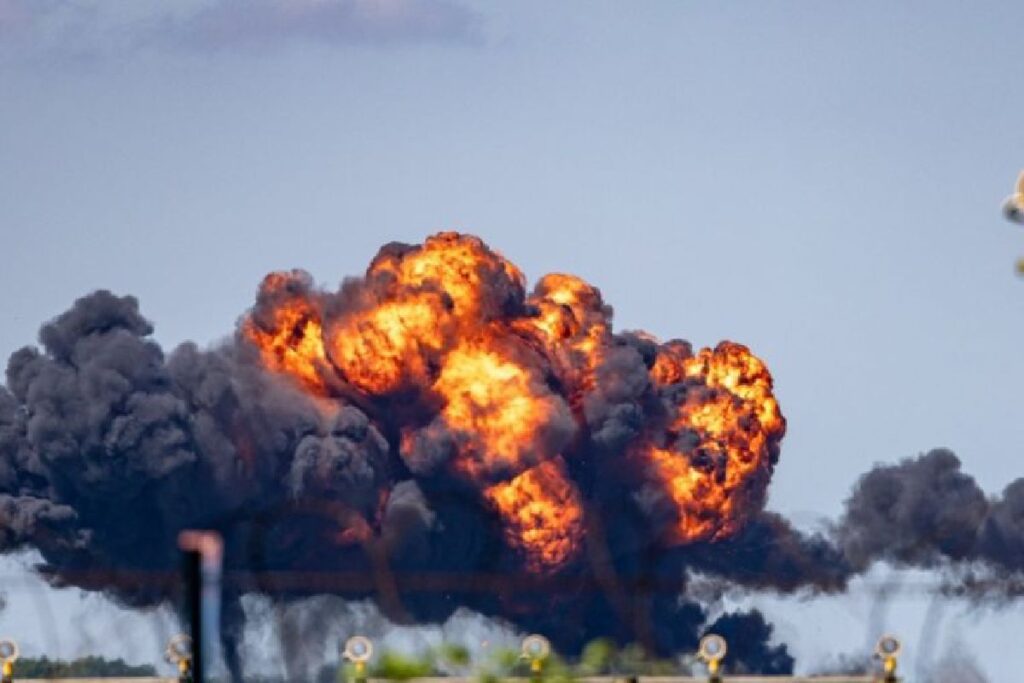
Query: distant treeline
point(84, 667)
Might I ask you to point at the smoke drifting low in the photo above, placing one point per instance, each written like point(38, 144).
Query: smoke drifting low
point(926, 512)
point(432, 437)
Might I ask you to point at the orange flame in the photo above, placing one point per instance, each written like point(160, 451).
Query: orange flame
point(498, 407)
point(387, 347)
point(543, 514)
point(291, 341)
point(446, 331)
point(461, 266)
point(572, 327)
point(718, 445)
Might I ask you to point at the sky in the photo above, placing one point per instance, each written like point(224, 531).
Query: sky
point(818, 180)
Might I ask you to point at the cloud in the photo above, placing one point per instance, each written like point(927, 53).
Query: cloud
point(228, 24)
point(79, 29)
point(41, 26)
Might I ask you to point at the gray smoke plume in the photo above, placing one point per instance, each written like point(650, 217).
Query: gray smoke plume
point(748, 635)
point(956, 666)
point(109, 447)
point(926, 512)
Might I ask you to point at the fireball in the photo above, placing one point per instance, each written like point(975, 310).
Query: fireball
point(441, 340)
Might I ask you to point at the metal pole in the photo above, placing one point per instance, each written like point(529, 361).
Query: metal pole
point(203, 553)
point(192, 573)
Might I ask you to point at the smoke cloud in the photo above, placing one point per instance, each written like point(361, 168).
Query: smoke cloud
point(748, 635)
point(957, 666)
point(433, 438)
point(926, 512)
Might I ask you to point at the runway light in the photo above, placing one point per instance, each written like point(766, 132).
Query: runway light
point(179, 653)
point(536, 648)
point(888, 650)
point(8, 655)
point(712, 650)
point(358, 650)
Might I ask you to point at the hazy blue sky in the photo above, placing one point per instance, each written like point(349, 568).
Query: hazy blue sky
point(819, 180)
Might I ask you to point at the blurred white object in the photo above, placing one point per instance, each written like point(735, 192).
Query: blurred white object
point(358, 649)
point(536, 647)
point(1013, 208)
point(8, 651)
point(179, 648)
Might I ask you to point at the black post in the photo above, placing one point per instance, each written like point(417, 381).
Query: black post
point(193, 580)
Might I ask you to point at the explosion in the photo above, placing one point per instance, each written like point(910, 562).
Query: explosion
point(724, 434)
point(433, 436)
point(290, 339)
point(491, 386)
point(431, 426)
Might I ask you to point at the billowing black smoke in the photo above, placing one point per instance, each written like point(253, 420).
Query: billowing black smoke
point(109, 447)
point(926, 512)
point(748, 635)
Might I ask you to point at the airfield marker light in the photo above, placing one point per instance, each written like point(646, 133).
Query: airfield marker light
point(711, 651)
point(8, 655)
point(358, 650)
point(536, 648)
point(888, 650)
point(179, 653)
